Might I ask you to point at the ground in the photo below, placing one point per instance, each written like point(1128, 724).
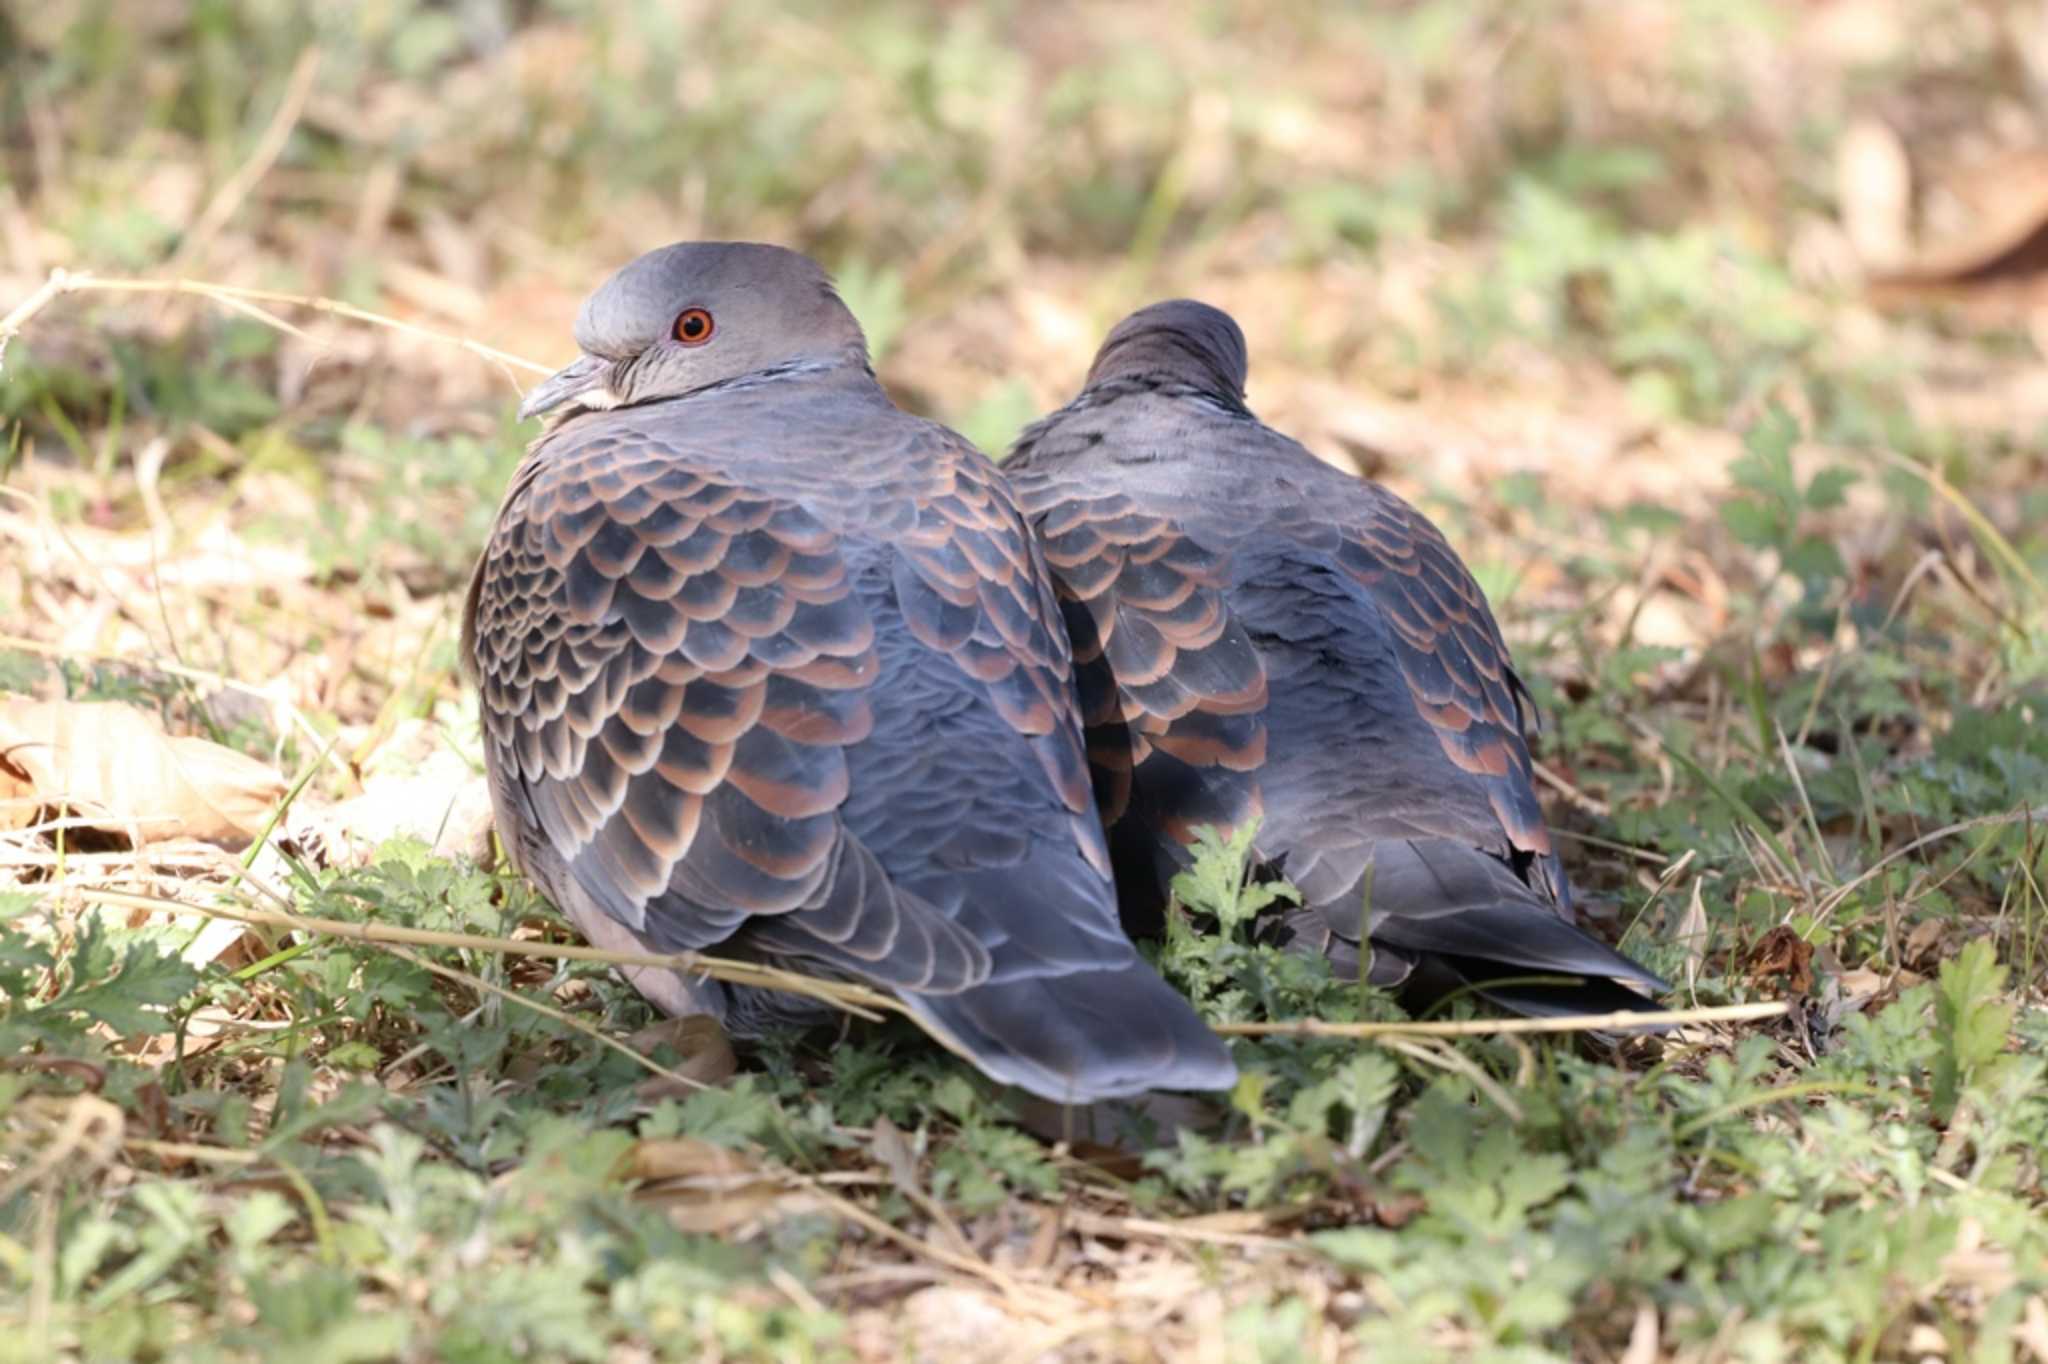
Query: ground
point(1710, 332)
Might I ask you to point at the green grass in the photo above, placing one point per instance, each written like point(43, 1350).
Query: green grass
point(1772, 559)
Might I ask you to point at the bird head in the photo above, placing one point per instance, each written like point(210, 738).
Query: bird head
point(1178, 339)
point(687, 316)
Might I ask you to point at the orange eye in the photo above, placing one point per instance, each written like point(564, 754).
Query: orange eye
point(693, 326)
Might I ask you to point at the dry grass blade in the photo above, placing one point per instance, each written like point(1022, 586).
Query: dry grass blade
point(1834, 898)
point(1511, 1027)
point(865, 1003)
point(596, 1034)
point(857, 1000)
point(240, 300)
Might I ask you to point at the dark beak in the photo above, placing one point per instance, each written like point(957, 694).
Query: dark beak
point(572, 383)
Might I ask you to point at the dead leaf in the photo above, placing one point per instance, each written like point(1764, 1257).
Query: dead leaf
point(1924, 941)
point(440, 801)
point(682, 1158)
point(704, 1189)
point(114, 764)
point(1396, 1211)
point(890, 1148)
point(1782, 957)
point(1860, 986)
point(1694, 933)
point(2009, 245)
point(951, 1322)
point(704, 1055)
point(1976, 1263)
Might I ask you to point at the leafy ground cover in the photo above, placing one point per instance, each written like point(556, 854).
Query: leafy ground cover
point(1709, 331)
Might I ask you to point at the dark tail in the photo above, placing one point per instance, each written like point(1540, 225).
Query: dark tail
point(1087, 1035)
point(1451, 917)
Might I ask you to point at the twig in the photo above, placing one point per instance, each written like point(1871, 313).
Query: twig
point(59, 282)
point(230, 296)
point(1024, 1294)
point(1842, 892)
point(1135, 1228)
point(854, 999)
point(596, 1034)
point(1504, 1027)
point(1432, 1051)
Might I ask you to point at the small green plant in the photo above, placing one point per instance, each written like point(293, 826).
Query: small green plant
point(1773, 509)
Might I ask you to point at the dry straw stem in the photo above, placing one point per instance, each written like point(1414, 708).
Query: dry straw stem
point(854, 999)
point(2037, 814)
point(248, 302)
point(865, 1003)
point(1510, 1027)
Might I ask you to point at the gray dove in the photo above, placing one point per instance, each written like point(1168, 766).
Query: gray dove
point(1259, 635)
point(772, 669)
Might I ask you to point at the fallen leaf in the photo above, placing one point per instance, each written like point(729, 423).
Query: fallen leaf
point(1396, 1211)
point(704, 1056)
point(1694, 933)
point(443, 804)
point(1781, 956)
point(1860, 985)
point(890, 1148)
point(1924, 941)
point(2009, 245)
point(704, 1189)
point(113, 764)
point(682, 1158)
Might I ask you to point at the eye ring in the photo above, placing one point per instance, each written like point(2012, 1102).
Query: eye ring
point(693, 326)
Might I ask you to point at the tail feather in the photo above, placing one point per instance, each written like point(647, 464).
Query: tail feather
point(1524, 991)
point(1083, 1036)
point(1445, 916)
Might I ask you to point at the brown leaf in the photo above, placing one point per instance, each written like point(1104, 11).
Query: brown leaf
point(114, 764)
point(2009, 245)
point(704, 1056)
point(1924, 942)
point(1783, 957)
point(1396, 1211)
point(682, 1158)
point(705, 1189)
point(1694, 933)
point(1861, 985)
point(889, 1146)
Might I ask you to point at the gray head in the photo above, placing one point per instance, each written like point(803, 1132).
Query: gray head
point(1178, 339)
point(696, 313)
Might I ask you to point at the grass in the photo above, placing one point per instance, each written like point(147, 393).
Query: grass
point(1577, 277)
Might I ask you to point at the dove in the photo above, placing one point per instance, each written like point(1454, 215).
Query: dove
point(772, 670)
point(1260, 636)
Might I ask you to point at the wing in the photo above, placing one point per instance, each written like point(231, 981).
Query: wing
point(972, 586)
point(1172, 691)
point(672, 667)
point(1455, 663)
